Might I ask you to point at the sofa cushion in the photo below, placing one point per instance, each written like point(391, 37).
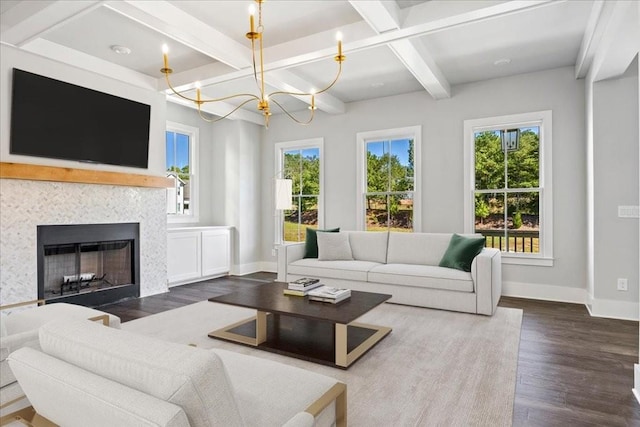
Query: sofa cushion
point(191, 378)
point(368, 246)
point(32, 318)
point(423, 276)
point(348, 270)
point(417, 248)
point(461, 252)
point(334, 247)
point(253, 377)
point(311, 241)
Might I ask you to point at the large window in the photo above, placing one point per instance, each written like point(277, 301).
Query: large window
point(388, 181)
point(181, 143)
point(509, 184)
point(300, 161)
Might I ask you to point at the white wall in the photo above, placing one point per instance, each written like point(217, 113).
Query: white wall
point(237, 152)
point(442, 160)
point(14, 58)
point(615, 145)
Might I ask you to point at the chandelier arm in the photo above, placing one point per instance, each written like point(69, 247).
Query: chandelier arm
point(224, 98)
point(281, 92)
point(223, 117)
point(202, 101)
point(291, 116)
point(166, 76)
point(334, 80)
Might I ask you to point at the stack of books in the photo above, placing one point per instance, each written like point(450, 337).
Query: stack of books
point(301, 287)
point(329, 294)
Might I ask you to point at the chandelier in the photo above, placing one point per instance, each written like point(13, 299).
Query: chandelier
point(264, 100)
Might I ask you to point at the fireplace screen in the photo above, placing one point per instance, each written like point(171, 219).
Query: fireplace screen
point(74, 268)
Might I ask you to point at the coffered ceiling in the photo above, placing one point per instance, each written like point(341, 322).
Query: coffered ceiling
point(392, 47)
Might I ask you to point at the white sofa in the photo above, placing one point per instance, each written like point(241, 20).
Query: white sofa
point(88, 374)
point(404, 265)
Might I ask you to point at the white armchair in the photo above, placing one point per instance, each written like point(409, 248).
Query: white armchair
point(88, 372)
point(19, 328)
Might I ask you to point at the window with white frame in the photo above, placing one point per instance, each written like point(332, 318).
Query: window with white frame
point(181, 145)
point(300, 161)
point(389, 180)
point(508, 185)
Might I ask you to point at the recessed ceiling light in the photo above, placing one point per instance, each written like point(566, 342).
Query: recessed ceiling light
point(503, 61)
point(120, 50)
point(379, 84)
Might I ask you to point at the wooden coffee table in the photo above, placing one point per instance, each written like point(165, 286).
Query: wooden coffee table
point(310, 330)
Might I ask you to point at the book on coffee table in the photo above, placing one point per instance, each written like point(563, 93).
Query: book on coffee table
point(300, 292)
point(329, 294)
point(304, 283)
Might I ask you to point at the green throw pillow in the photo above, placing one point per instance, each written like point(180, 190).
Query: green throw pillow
point(461, 252)
point(311, 242)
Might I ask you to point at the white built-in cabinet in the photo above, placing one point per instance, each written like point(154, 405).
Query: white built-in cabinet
point(197, 253)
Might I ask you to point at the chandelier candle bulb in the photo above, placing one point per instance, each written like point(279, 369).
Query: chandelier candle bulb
point(252, 11)
point(165, 55)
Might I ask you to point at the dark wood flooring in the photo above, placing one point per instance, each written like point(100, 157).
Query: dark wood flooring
point(573, 369)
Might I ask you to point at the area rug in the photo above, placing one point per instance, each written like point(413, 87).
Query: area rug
point(437, 368)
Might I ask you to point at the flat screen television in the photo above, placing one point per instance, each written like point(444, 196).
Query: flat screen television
point(54, 119)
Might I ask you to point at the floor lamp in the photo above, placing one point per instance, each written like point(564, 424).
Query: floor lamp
point(283, 193)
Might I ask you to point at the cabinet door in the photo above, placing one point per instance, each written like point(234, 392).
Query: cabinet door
point(184, 256)
point(216, 252)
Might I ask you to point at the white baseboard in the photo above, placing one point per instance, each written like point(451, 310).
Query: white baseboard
point(613, 309)
point(636, 383)
point(243, 269)
point(544, 292)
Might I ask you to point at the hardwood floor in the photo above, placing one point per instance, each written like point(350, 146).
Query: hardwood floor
point(573, 369)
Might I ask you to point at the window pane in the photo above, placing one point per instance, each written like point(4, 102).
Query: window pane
point(523, 164)
point(291, 228)
point(376, 213)
point(401, 164)
point(489, 161)
point(310, 171)
point(401, 212)
point(308, 215)
point(523, 222)
point(377, 166)
point(170, 149)
point(489, 219)
point(291, 169)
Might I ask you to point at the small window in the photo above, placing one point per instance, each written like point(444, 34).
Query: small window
point(180, 167)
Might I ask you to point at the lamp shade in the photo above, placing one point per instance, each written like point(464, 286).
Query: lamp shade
point(283, 194)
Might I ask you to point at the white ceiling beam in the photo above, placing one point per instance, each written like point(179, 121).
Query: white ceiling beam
point(384, 17)
point(167, 19)
point(590, 40)
point(620, 42)
point(29, 20)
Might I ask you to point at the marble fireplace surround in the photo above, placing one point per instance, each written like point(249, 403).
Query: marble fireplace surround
point(28, 202)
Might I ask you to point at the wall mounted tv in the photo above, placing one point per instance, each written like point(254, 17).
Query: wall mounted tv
point(54, 119)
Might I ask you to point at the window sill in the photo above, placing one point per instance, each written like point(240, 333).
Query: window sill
point(527, 260)
point(181, 219)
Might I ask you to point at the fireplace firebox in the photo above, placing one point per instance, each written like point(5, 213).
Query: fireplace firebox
point(88, 264)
